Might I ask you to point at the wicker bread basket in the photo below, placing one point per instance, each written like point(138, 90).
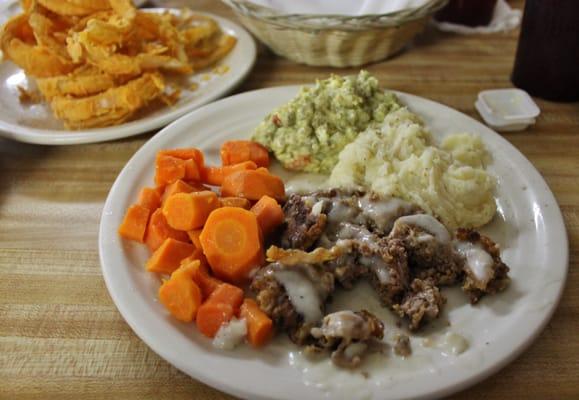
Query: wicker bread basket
point(334, 40)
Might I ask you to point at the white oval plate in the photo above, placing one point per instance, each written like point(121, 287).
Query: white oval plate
point(36, 124)
point(529, 227)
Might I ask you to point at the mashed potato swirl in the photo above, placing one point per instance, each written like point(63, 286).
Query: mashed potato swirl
point(399, 159)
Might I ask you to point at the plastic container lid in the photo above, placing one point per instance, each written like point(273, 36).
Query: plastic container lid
point(507, 109)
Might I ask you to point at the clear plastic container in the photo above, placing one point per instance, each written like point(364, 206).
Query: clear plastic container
point(507, 109)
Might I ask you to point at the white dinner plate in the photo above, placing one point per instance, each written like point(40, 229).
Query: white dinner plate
point(36, 124)
point(529, 228)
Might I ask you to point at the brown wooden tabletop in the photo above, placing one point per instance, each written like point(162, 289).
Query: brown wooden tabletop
point(61, 336)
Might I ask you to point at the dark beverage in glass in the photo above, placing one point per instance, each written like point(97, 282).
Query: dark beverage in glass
point(547, 60)
point(467, 12)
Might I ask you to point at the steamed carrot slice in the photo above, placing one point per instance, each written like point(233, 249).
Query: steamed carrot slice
point(198, 186)
point(187, 211)
point(192, 171)
point(149, 198)
point(269, 214)
point(253, 185)
point(207, 283)
point(221, 305)
point(194, 161)
point(259, 325)
point(215, 175)
point(194, 237)
point(181, 295)
point(210, 317)
point(134, 224)
point(158, 230)
point(186, 154)
point(180, 186)
point(168, 169)
point(237, 151)
point(200, 274)
point(232, 242)
point(234, 202)
point(227, 294)
point(169, 255)
point(197, 255)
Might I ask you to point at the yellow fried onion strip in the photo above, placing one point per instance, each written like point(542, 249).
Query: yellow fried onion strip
point(97, 62)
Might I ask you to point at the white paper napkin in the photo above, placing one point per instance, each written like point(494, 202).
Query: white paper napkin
point(342, 7)
point(504, 19)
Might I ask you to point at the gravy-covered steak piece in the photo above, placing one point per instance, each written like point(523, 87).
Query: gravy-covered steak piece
point(348, 335)
point(431, 254)
point(391, 289)
point(336, 238)
point(293, 296)
point(421, 304)
point(304, 223)
point(485, 271)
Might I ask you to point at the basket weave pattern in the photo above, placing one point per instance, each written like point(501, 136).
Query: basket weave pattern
point(334, 40)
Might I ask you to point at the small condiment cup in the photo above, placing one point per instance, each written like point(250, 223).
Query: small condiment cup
point(507, 109)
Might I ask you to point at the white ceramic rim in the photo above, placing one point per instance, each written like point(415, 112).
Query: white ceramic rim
point(136, 127)
point(509, 349)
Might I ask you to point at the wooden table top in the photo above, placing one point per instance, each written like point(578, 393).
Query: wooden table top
point(61, 336)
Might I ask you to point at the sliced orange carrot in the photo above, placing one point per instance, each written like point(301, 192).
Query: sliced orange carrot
point(232, 242)
point(207, 283)
point(168, 169)
point(192, 171)
point(178, 186)
point(158, 230)
point(197, 255)
point(259, 325)
point(169, 255)
point(237, 151)
point(235, 202)
point(186, 154)
point(149, 198)
point(269, 214)
point(194, 237)
point(204, 280)
point(134, 224)
point(187, 267)
point(198, 186)
point(215, 175)
point(227, 294)
point(187, 211)
point(182, 187)
point(181, 295)
point(160, 190)
point(210, 317)
point(253, 185)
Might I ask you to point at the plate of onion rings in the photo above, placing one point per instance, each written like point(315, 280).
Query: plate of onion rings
point(109, 70)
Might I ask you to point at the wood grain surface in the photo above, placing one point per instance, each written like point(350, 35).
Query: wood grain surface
point(61, 336)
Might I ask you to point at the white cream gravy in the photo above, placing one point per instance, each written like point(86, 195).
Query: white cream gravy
point(301, 292)
point(427, 223)
point(383, 211)
point(478, 260)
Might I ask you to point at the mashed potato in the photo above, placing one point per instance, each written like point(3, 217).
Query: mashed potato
point(399, 159)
